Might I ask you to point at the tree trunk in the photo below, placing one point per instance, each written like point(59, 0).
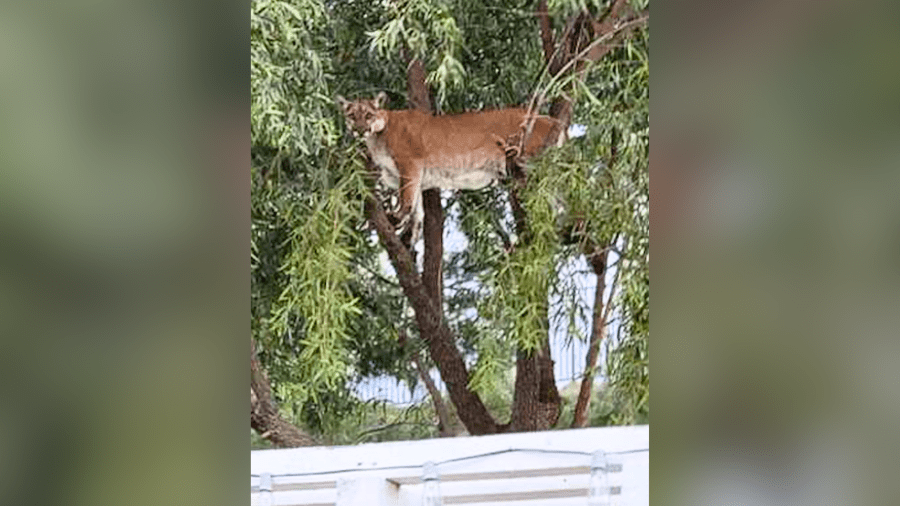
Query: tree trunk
point(434, 331)
point(548, 395)
point(536, 399)
point(432, 266)
point(525, 408)
point(598, 334)
point(264, 417)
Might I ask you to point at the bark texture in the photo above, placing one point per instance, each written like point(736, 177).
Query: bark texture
point(264, 417)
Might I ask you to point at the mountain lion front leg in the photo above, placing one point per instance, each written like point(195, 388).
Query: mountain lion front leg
point(411, 211)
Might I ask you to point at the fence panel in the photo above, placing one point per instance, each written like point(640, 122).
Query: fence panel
point(551, 468)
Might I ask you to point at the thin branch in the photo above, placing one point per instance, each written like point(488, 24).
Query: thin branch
point(598, 331)
point(444, 424)
point(612, 289)
point(613, 11)
point(539, 97)
point(388, 426)
point(437, 399)
point(379, 276)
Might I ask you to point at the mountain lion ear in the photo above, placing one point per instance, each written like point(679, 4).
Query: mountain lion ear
point(343, 102)
point(380, 99)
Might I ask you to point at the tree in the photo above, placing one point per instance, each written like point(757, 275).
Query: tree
point(325, 310)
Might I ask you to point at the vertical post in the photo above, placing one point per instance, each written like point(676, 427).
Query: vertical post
point(598, 491)
point(431, 488)
point(265, 489)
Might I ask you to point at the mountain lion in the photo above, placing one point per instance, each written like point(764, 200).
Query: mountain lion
point(417, 151)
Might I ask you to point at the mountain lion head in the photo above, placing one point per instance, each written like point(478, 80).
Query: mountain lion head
point(365, 117)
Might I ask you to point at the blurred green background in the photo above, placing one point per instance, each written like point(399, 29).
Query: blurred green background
point(124, 214)
point(775, 212)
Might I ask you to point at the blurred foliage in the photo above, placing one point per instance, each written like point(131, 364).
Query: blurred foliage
point(326, 307)
point(123, 224)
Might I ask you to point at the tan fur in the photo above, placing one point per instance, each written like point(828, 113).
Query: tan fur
point(417, 151)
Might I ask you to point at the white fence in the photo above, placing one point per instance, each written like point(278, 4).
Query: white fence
point(551, 468)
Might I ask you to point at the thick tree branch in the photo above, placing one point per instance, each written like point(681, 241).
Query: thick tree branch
point(546, 29)
point(416, 90)
point(264, 417)
point(432, 328)
point(432, 266)
point(610, 32)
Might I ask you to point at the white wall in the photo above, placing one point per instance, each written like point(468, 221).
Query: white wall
point(549, 468)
